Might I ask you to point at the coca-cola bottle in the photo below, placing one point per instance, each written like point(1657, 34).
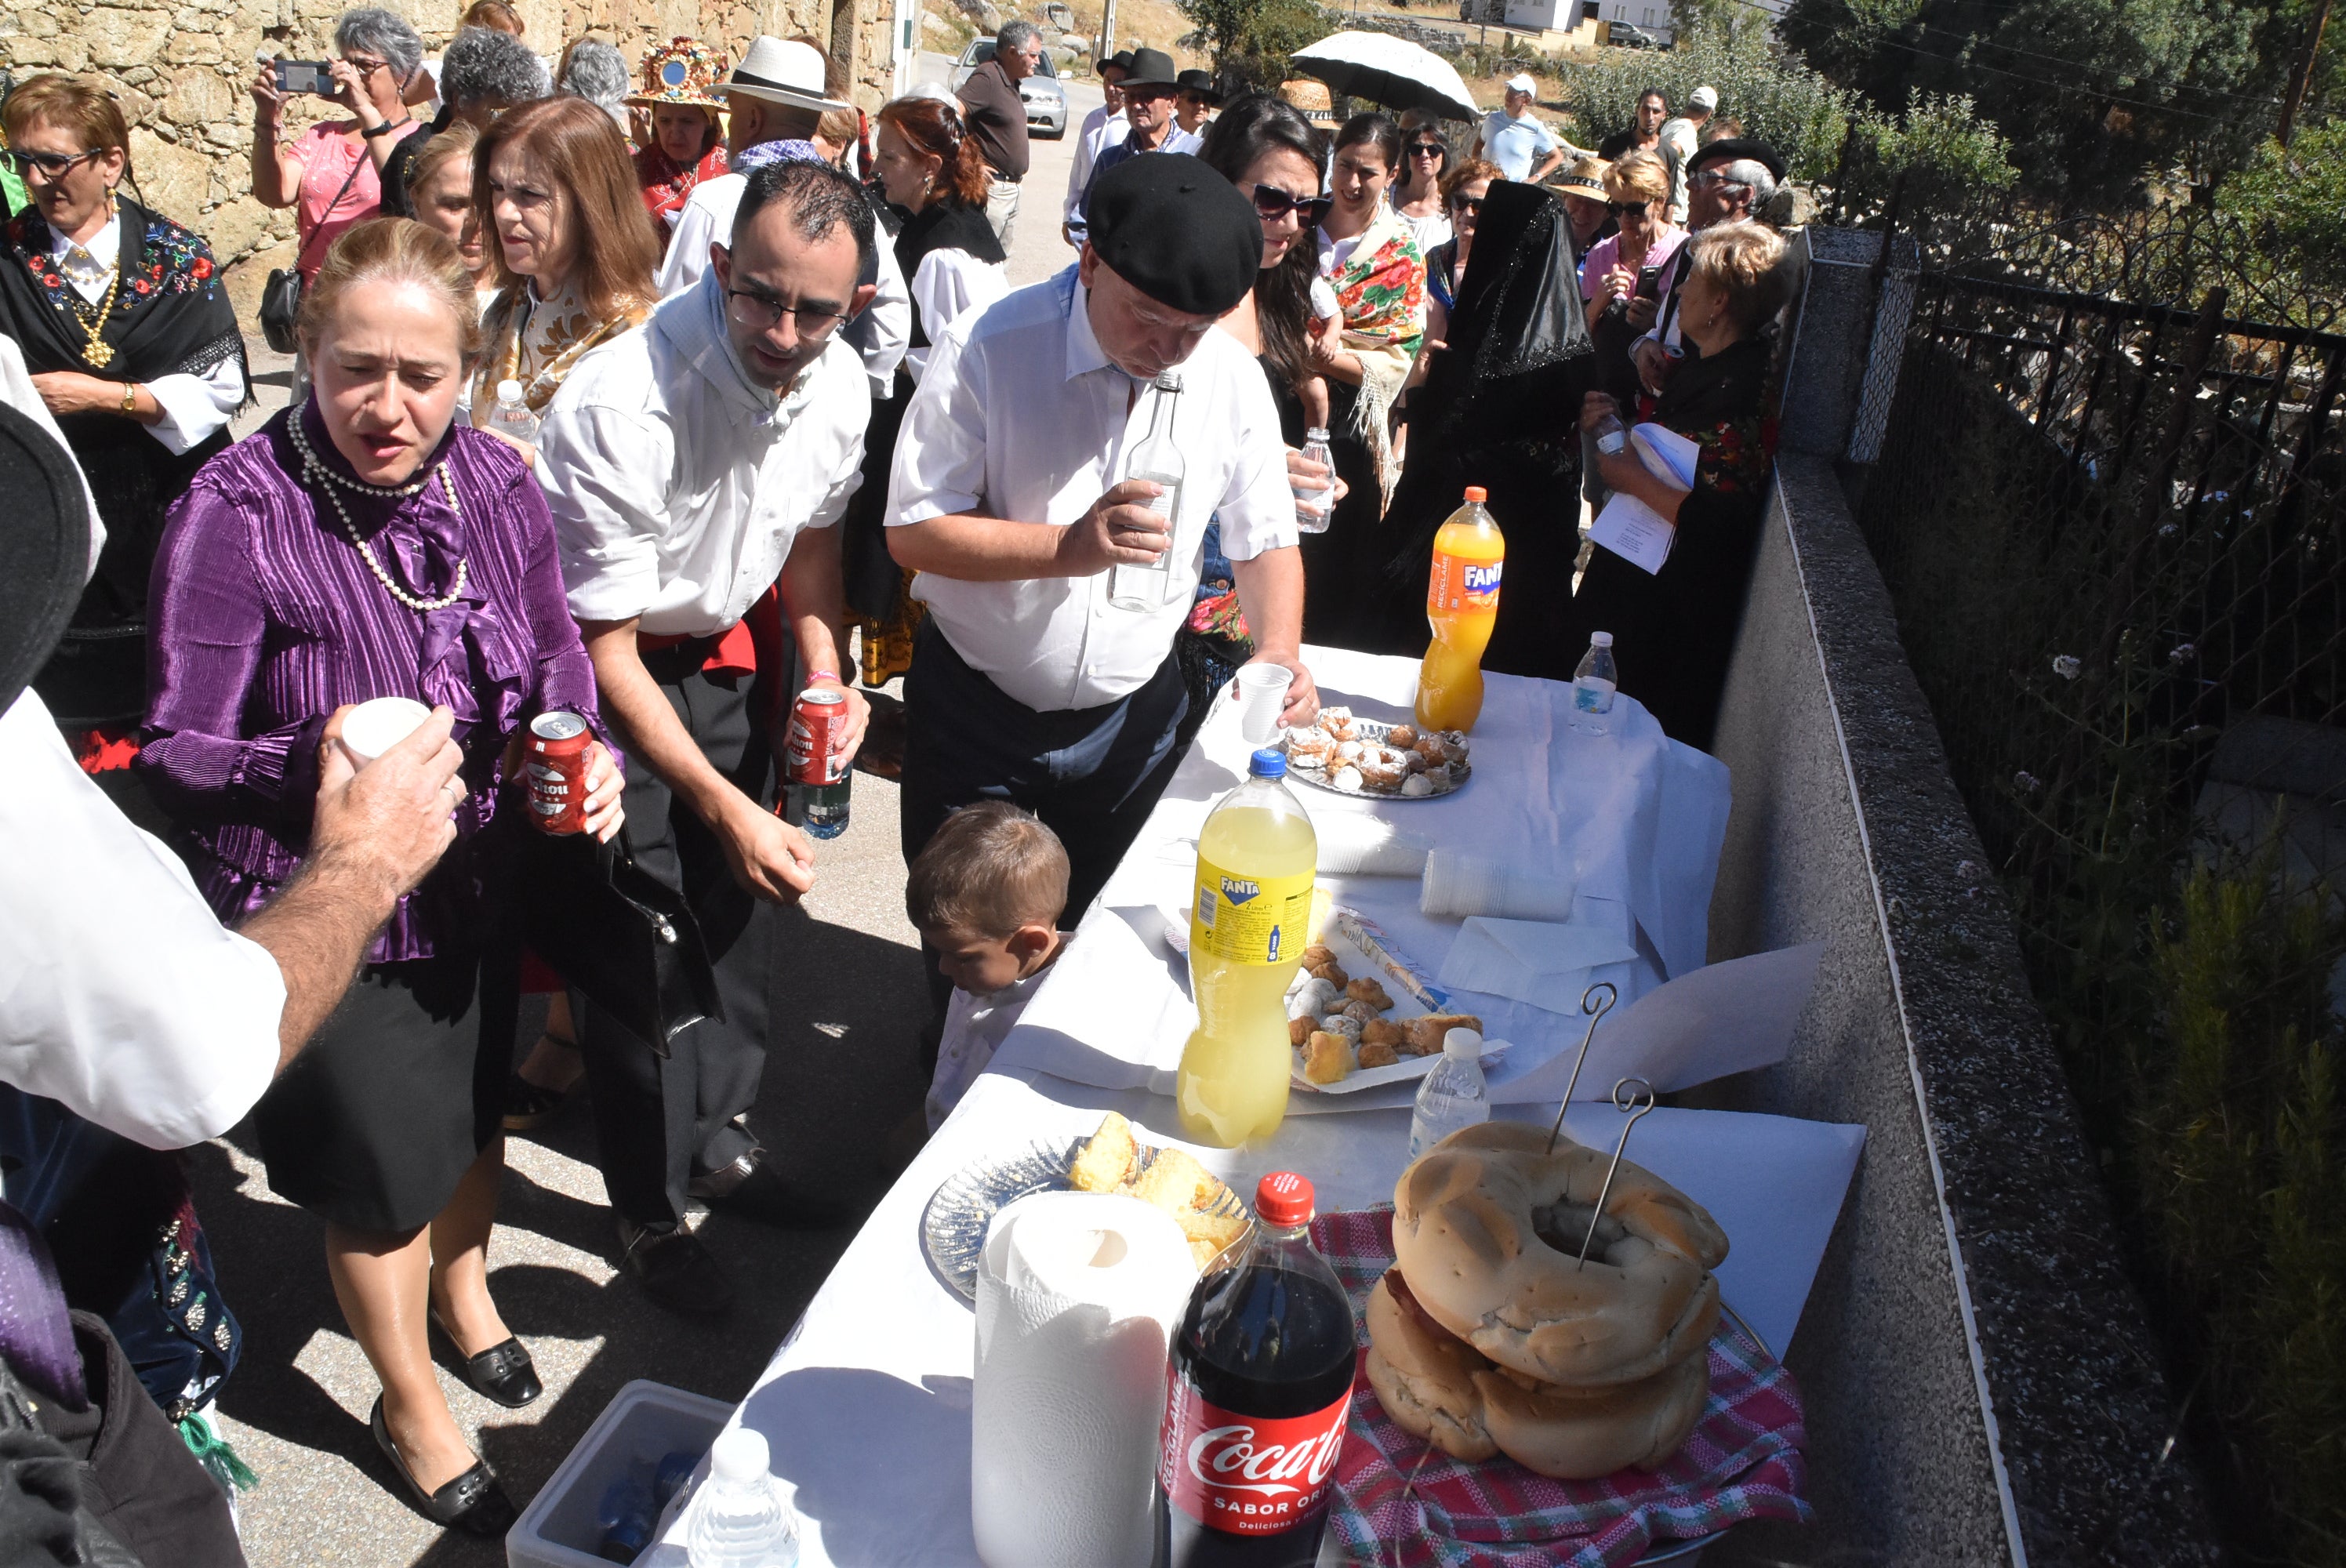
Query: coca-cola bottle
point(1258, 1385)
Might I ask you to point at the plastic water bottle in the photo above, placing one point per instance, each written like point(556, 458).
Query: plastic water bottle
point(1593, 686)
point(739, 1520)
point(512, 416)
point(1314, 508)
point(1612, 436)
point(1454, 1094)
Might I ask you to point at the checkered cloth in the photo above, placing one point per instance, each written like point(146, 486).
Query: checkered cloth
point(1743, 1462)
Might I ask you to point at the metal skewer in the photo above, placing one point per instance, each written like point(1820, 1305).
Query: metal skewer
point(1596, 1009)
point(1636, 1110)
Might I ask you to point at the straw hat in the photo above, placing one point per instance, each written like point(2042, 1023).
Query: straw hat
point(1584, 173)
point(682, 71)
point(1309, 96)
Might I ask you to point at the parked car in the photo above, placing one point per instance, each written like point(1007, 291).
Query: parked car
point(1046, 100)
point(1627, 36)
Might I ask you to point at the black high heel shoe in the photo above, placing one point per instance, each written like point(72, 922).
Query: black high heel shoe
point(501, 1372)
point(473, 1503)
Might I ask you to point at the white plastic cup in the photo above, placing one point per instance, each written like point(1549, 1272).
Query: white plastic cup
point(1457, 886)
point(375, 726)
point(1261, 690)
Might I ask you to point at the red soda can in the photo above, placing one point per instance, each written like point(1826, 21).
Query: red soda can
point(816, 784)
point(557, 772)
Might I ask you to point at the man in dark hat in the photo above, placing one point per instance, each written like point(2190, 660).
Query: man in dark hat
point(1194, 103)
point(1035, 680)
point(1102, 128)
point(1727, 182)
point(1149, 89)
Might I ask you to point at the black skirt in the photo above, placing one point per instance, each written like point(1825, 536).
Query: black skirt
point(398, 1092)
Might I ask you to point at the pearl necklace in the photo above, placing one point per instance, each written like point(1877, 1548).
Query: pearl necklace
point(312, 469)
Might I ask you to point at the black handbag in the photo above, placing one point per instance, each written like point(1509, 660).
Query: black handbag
point(626, 940)
point(280, 293)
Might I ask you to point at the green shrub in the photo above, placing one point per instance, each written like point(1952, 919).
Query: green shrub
point(1778, 100)
point(2293, 199)
point(1949, 155)
point(1254, 38)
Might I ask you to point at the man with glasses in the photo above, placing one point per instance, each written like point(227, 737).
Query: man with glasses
point(997, 113)
point(1727, 182)
point(1035, 680)
point(1514, 139)
point(690, 467)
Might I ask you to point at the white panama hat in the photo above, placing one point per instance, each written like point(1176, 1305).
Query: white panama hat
point(782, 72)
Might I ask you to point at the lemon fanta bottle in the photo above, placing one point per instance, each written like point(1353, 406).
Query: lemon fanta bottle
point(1249, 920)
point(1461, 604)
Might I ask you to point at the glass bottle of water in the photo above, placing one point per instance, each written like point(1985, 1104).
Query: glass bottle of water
point(1313, 508)
point(1454, 1094)
point(1157, 460)
point(740, 1520)
point(512, 416)
point(1593, 686)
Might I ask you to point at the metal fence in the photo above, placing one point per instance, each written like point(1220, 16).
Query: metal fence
point(2114, 532)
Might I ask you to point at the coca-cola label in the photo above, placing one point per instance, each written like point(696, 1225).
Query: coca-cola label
point(1247, 1475)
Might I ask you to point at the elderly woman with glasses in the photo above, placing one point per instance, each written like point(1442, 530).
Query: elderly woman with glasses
point(332, 177)
point(1628, 265)
point(131, 343)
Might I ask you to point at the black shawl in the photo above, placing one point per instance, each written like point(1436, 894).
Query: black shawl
point(1500, 407)
point(170, 316)
point(943, 226)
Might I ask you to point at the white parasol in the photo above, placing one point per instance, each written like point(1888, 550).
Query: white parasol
point(1388, 70)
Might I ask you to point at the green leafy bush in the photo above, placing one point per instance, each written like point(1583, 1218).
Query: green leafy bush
point(2293, 199)
point(1254, 38)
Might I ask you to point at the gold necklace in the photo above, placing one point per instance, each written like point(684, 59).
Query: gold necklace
point(96, 351)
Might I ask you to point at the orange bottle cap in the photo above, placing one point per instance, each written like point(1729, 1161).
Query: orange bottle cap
point(1476, 493)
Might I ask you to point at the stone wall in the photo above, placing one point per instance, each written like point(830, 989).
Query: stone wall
point(180, 68)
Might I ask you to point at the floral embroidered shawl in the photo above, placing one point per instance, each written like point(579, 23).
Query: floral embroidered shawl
point(1383, 290)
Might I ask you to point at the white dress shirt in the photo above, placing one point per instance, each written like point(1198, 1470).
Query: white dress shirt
point(880, 335)
point(676, 486)
point(193, 406)
point(947, 284)
point(1022, 416)
point(1101, 131)
point(122, 997)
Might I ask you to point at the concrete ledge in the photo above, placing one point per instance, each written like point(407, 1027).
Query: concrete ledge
point(1983, 1385)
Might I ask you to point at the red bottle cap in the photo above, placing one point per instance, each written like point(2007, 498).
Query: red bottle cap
point(1476, 493)
point(1283, 1198)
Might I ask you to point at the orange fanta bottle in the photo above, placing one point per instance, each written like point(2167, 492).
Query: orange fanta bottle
point(1461, 604)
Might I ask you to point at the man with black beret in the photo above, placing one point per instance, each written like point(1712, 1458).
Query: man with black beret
point(1008, 499)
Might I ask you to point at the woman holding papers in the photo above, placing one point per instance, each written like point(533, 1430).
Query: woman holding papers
point(1673, 629)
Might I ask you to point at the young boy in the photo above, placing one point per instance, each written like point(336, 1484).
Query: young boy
point(987, 894)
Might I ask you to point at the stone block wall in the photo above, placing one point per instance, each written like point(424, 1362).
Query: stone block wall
point(180, 67)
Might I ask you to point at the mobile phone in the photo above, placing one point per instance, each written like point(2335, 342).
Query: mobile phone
point(304, 77)
point(1649, 283)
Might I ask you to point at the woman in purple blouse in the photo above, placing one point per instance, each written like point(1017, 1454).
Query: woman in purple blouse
point(362, 545)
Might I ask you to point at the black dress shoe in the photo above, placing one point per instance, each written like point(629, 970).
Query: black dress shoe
point(755, 1190)
point(473, 1503)
point(674, 1269)
point(501, 1372)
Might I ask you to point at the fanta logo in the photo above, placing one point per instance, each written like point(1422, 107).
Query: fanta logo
point(1483, 579)
point(1238, 890)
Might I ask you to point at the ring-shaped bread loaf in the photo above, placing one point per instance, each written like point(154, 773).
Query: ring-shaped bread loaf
point(1435, 1385)
point(1468, 1219)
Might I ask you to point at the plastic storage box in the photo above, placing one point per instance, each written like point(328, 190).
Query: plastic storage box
point(644, 1420)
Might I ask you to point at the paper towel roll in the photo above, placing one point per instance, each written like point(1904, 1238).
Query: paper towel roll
point(1353, 845)
point(1458, 885)
point(1078, 1297)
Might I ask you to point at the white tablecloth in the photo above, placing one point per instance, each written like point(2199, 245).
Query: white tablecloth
point(1636, 817)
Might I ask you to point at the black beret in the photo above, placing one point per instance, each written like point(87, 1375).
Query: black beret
point(1735, 150)
point(43, 549)
point(1169, 226)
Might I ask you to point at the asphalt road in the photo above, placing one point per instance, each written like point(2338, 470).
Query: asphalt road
point(840, 1086)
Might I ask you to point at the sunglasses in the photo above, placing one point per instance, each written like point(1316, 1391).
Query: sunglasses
point(55, 165)
point(1428, 149)
point(1270, 201)
point(1624, 209)
point(1470, 205)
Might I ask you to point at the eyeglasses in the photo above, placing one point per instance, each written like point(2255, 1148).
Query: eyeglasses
point(763, 313)
point(1472, 206)
point(1428, 149)
point(1706, 178)
point(1624, 209)
point(52, 165)
point(1270, 201)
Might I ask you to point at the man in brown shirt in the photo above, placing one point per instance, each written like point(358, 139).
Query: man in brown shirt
point(990, 101)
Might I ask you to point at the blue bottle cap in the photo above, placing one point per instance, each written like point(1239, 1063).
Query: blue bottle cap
point(1268, 763)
